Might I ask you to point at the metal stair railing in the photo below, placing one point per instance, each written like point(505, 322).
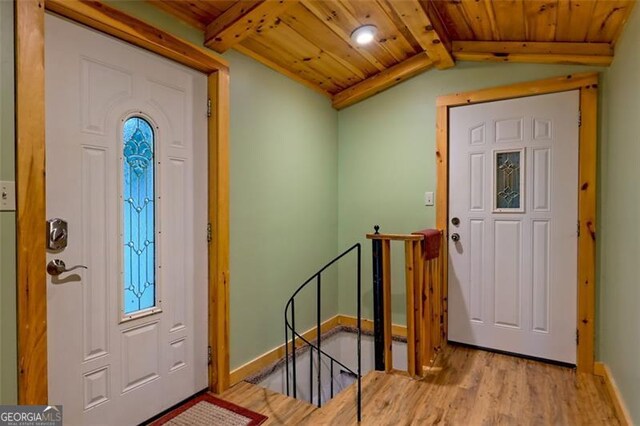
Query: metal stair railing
point(290, 327)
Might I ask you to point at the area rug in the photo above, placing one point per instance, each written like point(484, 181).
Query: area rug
point(208, 410)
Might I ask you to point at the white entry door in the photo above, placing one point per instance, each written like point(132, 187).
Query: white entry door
point(126, 168)
point(513, 209)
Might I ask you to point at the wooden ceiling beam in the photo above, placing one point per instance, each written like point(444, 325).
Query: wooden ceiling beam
point(423, 28)
point(600, 54)
point(383, 80)
point(241, 20)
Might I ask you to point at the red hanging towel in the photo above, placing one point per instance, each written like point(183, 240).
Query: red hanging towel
point(430, 243)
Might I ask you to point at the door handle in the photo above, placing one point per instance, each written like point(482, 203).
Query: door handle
point(455, 237)
point(57, 267)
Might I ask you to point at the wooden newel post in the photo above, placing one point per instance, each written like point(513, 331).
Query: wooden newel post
point(423, 298)
point(414, 275)
point(378, 303)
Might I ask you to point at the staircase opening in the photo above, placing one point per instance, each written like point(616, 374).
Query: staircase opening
point(340, 343)
point(334, 355)
point(321, 364)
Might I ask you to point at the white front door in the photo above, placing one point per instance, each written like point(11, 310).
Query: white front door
point(513, 207)
point(126, 168)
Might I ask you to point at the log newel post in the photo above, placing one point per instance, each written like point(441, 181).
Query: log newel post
point(378, 303)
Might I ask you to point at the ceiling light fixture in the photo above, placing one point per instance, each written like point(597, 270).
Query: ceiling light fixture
point(364, 34)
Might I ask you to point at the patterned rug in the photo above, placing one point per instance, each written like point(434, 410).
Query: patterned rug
point(208, 410)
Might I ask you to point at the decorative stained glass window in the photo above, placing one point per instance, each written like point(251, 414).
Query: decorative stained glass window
point(508, 180)
point(138, 216)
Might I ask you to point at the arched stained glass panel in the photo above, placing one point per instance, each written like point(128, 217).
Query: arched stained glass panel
point(138, 215)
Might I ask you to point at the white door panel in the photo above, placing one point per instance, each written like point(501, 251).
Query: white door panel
point(514, 186)
point(108, 366)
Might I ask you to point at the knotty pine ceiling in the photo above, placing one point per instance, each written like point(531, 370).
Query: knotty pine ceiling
point(309, 40)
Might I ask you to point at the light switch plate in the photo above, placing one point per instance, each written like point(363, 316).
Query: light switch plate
point(7, 196)
point(428, 198)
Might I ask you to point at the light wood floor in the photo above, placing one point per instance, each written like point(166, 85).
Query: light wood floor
point(281, 409)
point(467, 387)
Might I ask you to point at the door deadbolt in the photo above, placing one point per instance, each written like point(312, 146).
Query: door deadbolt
point(57, 234)
point(455, 221)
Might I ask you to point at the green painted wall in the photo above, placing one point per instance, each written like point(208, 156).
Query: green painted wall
point(386, 162)
point(8, 361)
point(297, 166)
point(284, 203)
point(159, 19)
point(619, 234)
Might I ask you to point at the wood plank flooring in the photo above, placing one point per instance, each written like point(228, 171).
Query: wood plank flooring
point(281, 409)
point(465, 387)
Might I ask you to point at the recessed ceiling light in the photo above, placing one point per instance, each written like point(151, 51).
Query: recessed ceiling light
point(364, 34)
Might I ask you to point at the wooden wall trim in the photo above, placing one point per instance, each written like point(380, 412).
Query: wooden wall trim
point(31, 213)
point(442, 209)
point(602, 370)
point(539, 87)
point(31, 181)
point(111, 21)
point(587, 216)
point(219, 278)
point(274, 355)
point(587, 83)
point(367, 325)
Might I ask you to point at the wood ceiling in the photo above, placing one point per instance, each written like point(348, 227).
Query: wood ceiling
point(310, 40)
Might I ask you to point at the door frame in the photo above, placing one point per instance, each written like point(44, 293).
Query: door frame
point(587, 84)
point(31, 180)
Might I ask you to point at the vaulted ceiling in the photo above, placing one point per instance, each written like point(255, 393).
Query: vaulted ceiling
point(310, 40)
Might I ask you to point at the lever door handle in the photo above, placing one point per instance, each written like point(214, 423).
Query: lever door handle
point(455, 237)
point(57, 267)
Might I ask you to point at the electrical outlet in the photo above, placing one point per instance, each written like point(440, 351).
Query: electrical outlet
point(428, 198)
point(7, 196)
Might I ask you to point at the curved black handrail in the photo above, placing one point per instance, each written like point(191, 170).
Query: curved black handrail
point(290, 327)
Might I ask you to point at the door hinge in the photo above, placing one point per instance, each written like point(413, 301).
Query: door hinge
point(578, 232)
point(577, 336)
point(579, 118)
point(208, 107)
point(209, 355)
point(209, 232)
